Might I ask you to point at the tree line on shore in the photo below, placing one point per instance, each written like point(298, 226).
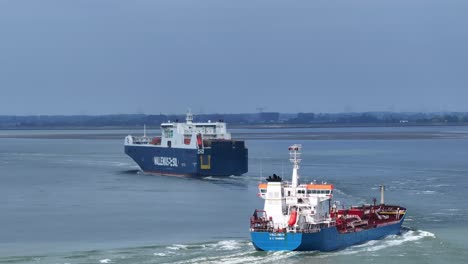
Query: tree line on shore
point(262, 118)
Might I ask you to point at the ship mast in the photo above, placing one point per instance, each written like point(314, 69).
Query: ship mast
point(382, 189)
point(189, 117)
point(295, 158)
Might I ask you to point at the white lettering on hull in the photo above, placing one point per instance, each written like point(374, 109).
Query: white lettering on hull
point(166, 161)
point(276, 236)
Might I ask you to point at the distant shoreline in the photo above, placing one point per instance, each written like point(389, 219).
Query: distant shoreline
point(239, 120)
point(247, 126)
point(255, 134)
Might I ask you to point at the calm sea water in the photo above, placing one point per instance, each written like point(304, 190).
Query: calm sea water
point(84, 201)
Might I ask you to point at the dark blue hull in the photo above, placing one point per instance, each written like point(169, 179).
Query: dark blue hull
point(328, 239)
point(223, 158)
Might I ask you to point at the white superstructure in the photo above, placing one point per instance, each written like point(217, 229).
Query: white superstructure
point(189, 135)
point(294, 206)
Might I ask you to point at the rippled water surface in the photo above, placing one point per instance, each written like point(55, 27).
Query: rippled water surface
point(84, 201)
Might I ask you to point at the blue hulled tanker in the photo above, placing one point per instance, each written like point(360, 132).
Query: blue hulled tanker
point(302, 217)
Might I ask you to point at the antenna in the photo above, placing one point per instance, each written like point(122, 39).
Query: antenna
point(144, 130)
point(295, 158)
point(189, 117)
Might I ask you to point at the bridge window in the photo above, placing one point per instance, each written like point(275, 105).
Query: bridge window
point(168, 133)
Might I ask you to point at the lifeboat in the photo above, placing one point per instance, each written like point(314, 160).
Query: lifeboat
point(292, 218)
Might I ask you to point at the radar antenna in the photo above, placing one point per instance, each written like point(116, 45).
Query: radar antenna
point(189, 117)
point(295, 158)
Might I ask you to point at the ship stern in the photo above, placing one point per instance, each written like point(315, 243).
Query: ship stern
point(275, 241)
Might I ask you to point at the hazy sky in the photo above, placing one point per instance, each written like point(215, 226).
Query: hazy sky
point(116, 56)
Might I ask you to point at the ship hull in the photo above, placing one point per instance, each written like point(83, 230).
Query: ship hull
point(223, 158)
point(328, 239)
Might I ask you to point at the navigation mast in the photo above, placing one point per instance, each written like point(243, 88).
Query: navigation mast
point(295, 158)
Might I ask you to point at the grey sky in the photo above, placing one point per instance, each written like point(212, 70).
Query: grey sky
point(115, 56)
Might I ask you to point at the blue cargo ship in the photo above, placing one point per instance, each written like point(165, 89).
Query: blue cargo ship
point(189, 149)
point(302, 217)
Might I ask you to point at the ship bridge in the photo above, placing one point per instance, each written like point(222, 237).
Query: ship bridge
point(190, 135)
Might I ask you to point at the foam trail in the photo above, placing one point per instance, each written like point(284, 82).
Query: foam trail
point(211, 178)
point(228, 245)
point(177, 247)
point(390, 241)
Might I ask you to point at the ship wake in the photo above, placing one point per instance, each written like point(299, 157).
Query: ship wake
point(388, 242)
